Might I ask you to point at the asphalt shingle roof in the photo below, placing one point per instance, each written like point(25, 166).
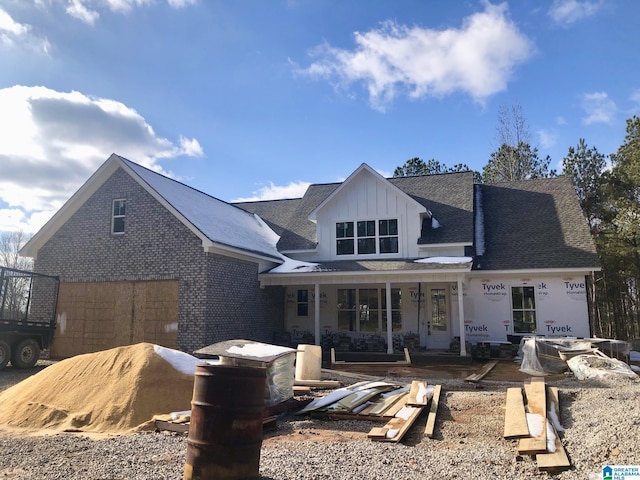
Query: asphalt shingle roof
point(448, 196)
point(535, 224)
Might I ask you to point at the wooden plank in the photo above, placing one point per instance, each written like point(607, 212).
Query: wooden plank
point(378, 432)
point(418, 394)
point(357, 376)
point(433, 410)
point(400, 424)
point(476, 377)
point(397, 406)
point(380, 407)
point(536, 403)
point(555, 461)
point(553, 401)
point(300, 390)
point(171, 426)
point(317, 383)
point(515, 419)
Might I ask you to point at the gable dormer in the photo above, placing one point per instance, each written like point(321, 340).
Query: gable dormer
point(367, 217)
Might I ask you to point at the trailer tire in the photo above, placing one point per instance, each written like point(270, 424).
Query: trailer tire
point(26, 354)
point(5, 354)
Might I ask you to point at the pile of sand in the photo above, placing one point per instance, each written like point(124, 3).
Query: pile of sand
point(113, 391)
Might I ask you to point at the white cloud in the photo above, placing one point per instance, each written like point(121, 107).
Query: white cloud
point(598, 107)
point(276, 192)
point(15, 34)
point(51, 142)
point(88, 11)
point(477, 59)
point(78, 10)
point(191, 148)
point(560, 120)
point(181, 3)
point(566, 12)
point(547, 138)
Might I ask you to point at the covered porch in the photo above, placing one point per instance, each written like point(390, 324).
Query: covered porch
point(375, 306)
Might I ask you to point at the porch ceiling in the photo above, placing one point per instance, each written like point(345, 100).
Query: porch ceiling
point(368, 271)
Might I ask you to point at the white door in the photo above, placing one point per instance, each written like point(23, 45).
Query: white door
point(437, 317)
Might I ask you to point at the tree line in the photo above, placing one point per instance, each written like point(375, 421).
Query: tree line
point(608, 188)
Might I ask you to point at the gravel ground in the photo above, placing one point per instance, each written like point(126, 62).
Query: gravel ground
point(602, 421)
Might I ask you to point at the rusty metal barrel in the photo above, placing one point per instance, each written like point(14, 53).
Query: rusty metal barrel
point(225, 432)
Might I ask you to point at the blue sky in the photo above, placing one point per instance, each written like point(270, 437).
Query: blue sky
point(253, 99)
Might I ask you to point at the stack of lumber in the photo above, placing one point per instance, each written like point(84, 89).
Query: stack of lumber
point(539, 401)
point(412, 405)
point(398, 405)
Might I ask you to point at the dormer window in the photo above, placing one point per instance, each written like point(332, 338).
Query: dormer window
point(117, 220)
point(371, 237)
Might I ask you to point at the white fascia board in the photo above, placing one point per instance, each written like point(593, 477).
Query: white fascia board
point(71, 206)
point(356, 172)
point(532, 271)
point(230, 251)
point(296, 252)
point(439, 245)
point(401, 276)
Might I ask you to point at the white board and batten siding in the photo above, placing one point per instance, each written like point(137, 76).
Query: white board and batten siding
point(369, 198)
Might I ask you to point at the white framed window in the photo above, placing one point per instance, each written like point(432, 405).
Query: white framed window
point(388, 235)
point(369, 237)
point(523, 308)
point(365, 310)
point(118, 216)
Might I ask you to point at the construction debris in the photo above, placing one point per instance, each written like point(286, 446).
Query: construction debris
point(396, 404)
point(476, 377)
point(534, 421)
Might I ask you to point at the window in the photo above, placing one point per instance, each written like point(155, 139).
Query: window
point(117, 220)
point(438, 310)
point(523, 304)
point(368, 240)
point(303, 303)
point(369, 306)
point(347, 309)
point(396, 304)
point(369, 313)
point(366, 237)
point(388, 236)
point(344, 238)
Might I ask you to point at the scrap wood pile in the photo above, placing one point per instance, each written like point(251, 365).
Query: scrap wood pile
point(534, 420)
point(397, 405)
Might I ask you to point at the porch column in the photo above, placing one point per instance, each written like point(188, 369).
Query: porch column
point(463, 342)
point(389, 318)
point(316, 307)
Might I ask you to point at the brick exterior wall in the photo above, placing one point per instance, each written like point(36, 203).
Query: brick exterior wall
point(237, 306)
point(220, 298)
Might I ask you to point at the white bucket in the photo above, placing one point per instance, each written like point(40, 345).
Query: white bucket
point(309, 362)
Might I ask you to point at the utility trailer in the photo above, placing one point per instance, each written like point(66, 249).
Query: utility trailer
point(28, 303)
